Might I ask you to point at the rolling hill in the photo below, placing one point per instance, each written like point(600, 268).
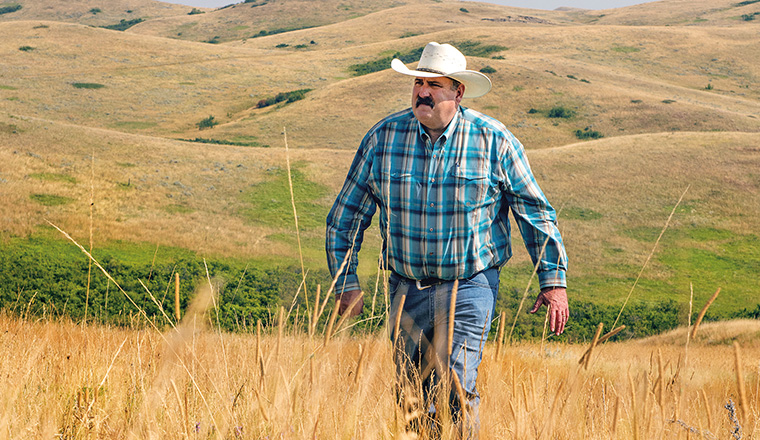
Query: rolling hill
point(672, 86)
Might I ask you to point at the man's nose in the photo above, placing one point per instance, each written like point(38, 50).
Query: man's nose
point(424, 91)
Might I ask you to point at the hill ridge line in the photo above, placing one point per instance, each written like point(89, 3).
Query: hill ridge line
point(642, 136)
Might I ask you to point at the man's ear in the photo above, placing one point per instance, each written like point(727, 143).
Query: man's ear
point(460, 93)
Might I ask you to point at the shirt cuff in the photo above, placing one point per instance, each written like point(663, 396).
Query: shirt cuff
point(347, 283)
point(552, 278)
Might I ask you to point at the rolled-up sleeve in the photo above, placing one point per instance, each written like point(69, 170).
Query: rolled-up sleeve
point(535, 217)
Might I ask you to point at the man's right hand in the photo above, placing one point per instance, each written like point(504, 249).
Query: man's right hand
point(348, 297)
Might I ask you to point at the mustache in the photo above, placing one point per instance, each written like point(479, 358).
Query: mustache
point(426, 101)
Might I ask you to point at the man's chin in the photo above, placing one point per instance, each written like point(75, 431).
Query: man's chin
point(423, 112)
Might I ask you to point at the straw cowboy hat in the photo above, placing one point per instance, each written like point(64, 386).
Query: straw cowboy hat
point(439, 60)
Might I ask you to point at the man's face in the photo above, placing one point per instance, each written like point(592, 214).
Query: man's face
point(434, 102)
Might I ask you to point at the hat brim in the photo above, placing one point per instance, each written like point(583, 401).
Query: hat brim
point(475, 83)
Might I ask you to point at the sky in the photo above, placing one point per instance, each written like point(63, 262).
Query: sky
point(535, 4)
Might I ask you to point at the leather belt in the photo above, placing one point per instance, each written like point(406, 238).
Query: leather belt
point(424, 283)
point(428, 282)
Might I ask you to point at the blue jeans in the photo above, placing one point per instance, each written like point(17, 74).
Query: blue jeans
point(422, 342)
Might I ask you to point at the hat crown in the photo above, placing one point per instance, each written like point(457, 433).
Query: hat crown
point(442, 59)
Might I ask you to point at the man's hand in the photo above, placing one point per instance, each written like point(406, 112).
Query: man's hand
point(347, 298)
point(556, 299)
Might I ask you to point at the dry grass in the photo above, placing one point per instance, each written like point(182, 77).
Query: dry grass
point(80, 11)
point(60, 378)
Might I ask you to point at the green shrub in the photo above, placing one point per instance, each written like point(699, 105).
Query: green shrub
point(54, 177)
point(747, 2)
point(560, 112)
point(195, 11)
point(94, 11)
point(209, 122)
point(709, 87)
point(9, 9)
point(626, 49)
point(488, 69)
point(464, 10)
point(88, 85)
point(50, 199)
point(40, 275)
point(750, 17)
point(224, 142)
point(123, 24)
point(385, 62)
point(575, 213)
point(588, 133)
point(264, 33)
point(288, 97)
point(26, 48)
point(478, 49)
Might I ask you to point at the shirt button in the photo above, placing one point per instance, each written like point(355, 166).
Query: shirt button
point(432, 180)
point(430, 253)
point(431, 229)
point(432, 204)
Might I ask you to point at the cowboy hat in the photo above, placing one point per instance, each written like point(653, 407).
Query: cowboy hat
point(439, 60)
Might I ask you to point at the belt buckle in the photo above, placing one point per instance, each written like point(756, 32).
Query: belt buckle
point(420, 287)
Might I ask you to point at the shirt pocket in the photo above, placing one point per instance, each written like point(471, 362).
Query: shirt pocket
point(471, 186)
point(399, 188)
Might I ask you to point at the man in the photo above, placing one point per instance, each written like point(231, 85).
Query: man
point(445, 178)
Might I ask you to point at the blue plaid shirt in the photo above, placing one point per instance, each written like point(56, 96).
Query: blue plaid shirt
point(443, 207)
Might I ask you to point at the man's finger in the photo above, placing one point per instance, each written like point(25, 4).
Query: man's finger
point(537, 304)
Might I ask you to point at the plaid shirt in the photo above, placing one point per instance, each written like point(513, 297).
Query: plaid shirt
point(443, 207)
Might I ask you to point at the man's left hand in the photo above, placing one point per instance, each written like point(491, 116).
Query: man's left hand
point(556, 299)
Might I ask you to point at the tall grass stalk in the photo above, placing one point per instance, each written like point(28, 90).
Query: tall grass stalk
point(587, 356)
point(646, 262)
point(295, 219)
point(744, 409)
point(92, 207)
point(500, 334)
point(702, 313)
point(527, 289)
point(452, 314)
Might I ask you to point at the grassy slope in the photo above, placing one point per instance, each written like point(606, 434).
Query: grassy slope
point(81, 11)
point(222, 199)
point(247, 20)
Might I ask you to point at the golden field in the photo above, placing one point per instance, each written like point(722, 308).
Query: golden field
point(66, 380)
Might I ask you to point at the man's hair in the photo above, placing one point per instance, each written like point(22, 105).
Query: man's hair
point(454, 84)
